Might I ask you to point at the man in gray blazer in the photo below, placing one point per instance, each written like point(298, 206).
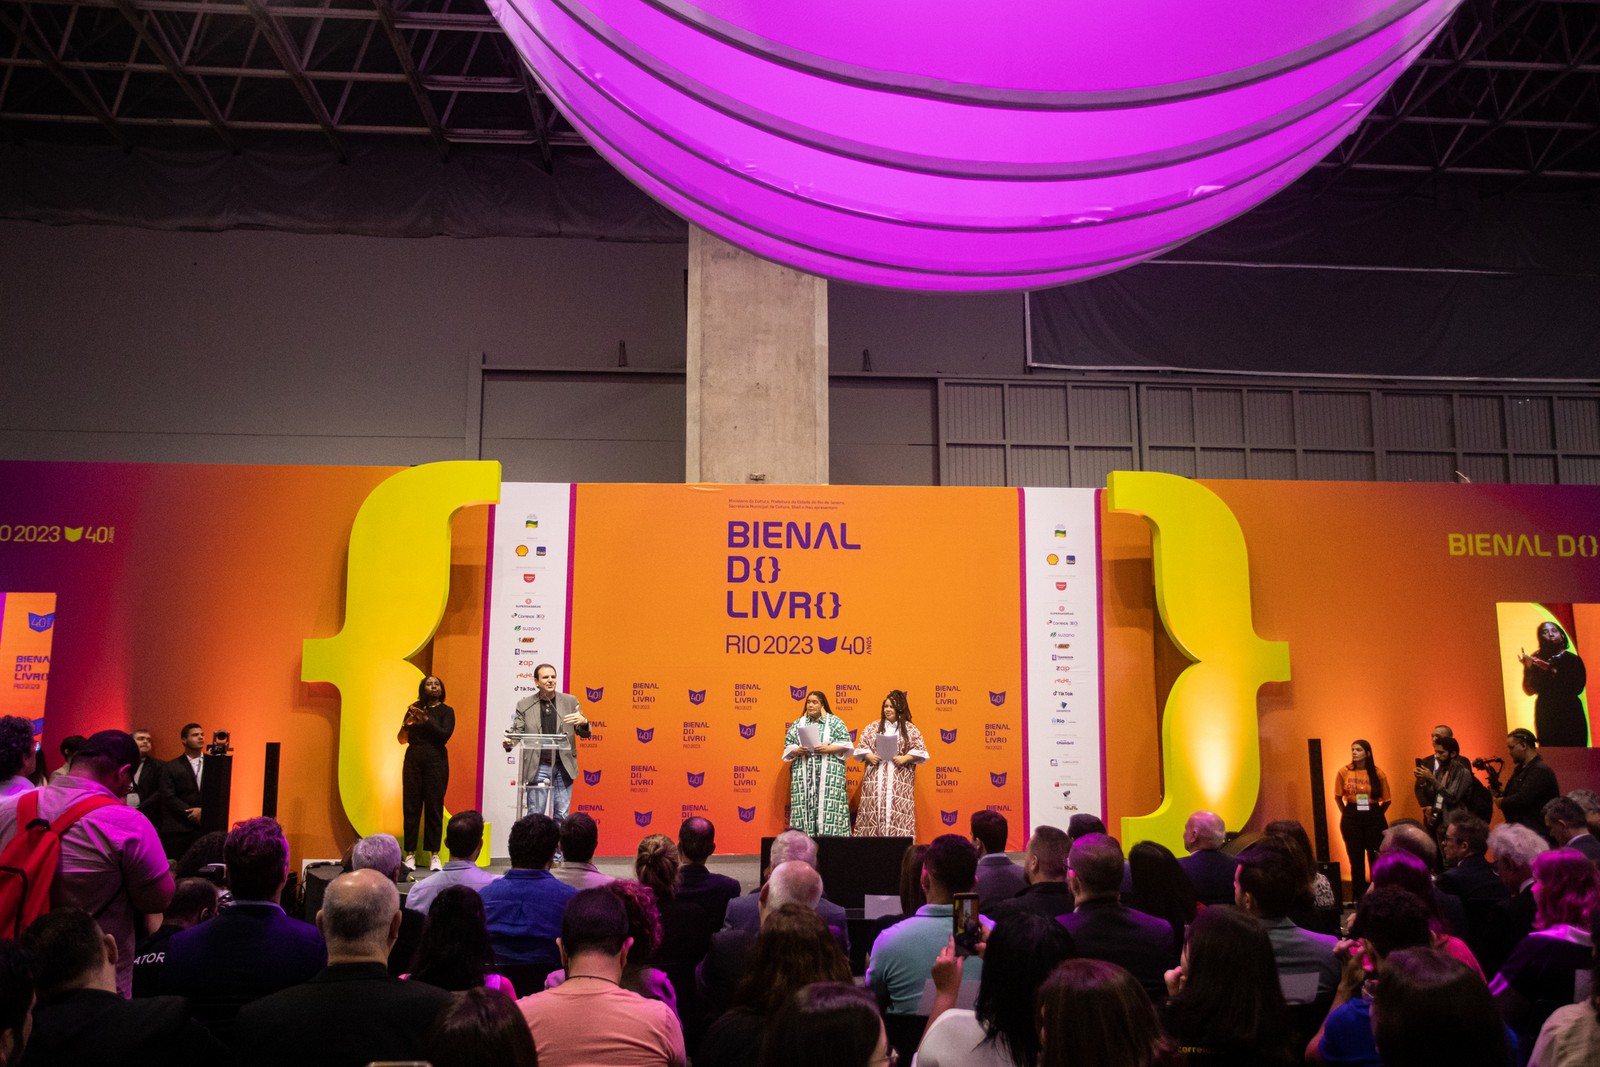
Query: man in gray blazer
point(545, 711)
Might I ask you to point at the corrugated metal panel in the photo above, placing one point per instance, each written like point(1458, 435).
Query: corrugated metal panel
point(974, 465)
point(1533, 470)
point(1171, 460)
point(1168, 415)
point(1420, 467)
point(1220, 463)
point(1219, 416)
point(1480, 422)
point(1090, 466)
point(1334, 420)
point(1338, 466)
point(1101, 414)
point(1044, 466)
point(1261, 463)
point(1269, 418)
point(974, 412)
point(1577, 425)
point(1490, 469)
point(1417, 420)
point(1037, 413)
point(1528, 423)
point(1580, 470)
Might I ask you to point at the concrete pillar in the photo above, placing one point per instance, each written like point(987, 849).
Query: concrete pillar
point(757, 368)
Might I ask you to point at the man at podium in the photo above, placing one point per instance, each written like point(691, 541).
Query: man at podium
point(546, 711)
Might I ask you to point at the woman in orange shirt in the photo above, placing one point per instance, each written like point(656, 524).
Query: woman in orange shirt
point(1362, 792)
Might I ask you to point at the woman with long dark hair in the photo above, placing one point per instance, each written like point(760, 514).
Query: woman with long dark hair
point(1160, 887)
point(818, 803)
point(1555, 677)
point(888, 805)
point(836, 1022)
point(686, 927)
point(454, 951)
point(1362, 792)
point(1430, 1009)
point(425, 731)
point(480, 1028)
point(1095, 1014)
point(1227, 1003)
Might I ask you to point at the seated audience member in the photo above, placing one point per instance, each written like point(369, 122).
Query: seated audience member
point(381, 853)
point(579, 839)
point(590, 1018)
point(1429, 1009)
point(1290, 830)
point(523, 906)
point(1226, 1007)
point(835, 1019)
point(644, 927)
point(193, 902)
point(685, 927)
point(1408, 835)
point(1210, 869)
point(697, 840)
point(1568, 826)
point(1094, 1012)
point(1540, 974)
point(16, 1000)
point(81, 1019)
point(1386, 920)
point(251, 948)
point(1270, 886)
point(112, 864)
point(1464, 847)
point(355, 1011)
point(911, 894)
point(1589, 801)
point(1103, 928)
point(1019, 954)
point(902, 956)
point(795, 948)
point(16, 755)
point(206, 852)
point(463, 836)
point(1515, 848)
point(1401, 870)
point(744, 912)
point(792, 884)
point(1571, 1036)
point(1083, 824)
point(1045, 868)
point(1160, 888)
point(480, 1028)
point(454, 952)
point(999, 878)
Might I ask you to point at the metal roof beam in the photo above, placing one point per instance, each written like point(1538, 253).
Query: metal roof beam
point(84, 94)
point(283, 48)
point(408, 67)
point(155, 39)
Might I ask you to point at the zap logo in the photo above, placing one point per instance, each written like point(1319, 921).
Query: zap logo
point(643, 817)
point(696, 780)
point(594, 695)
point(41, 623)
point(997, 780)
point(826, 645)
point(747, 732)
point(798, 691)
point(948, 817)
point(697, 696)
point(591, 777)
point(645, 735)
point(747, 814)
point(996, 698)
point(947, 736)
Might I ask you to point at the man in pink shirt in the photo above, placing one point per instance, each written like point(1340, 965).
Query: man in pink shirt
point(590, 1019)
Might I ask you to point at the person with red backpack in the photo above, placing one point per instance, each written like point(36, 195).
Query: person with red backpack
point(108, 858)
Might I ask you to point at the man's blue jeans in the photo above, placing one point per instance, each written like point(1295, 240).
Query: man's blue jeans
point(549, 780)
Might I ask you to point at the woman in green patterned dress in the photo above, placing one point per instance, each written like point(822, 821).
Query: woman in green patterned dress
point(817, 801)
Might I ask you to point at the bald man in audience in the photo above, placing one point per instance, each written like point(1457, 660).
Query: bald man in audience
point(795, 882)
point(1210, 870)
point(355, 1011)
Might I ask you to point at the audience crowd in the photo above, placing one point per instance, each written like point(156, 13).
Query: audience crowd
point(1469, 946)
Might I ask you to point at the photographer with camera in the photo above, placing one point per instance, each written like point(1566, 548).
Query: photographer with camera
point(1532, 784)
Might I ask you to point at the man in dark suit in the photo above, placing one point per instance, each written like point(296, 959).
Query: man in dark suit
point(147, 778)
point(355, 1011)
point(1103, 928)
point(1210, 870)
point(545, 711)
point(697, 840)
point(1568, 826)
point(1045, 866)
point(180, 793)
point(80, 1018)
point(744, 912)
point(251, 949)
point(998, 877)
point(1467, 872)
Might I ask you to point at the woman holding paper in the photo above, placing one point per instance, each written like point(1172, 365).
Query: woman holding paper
point(815, 748)
point(891, 748)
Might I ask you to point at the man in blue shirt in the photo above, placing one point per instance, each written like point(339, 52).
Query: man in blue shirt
point(902, 957)
point(523, 907)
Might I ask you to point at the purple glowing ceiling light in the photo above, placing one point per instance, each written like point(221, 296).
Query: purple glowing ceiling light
point(913, 146)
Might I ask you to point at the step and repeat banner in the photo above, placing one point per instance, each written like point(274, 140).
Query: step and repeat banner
point(692, 621)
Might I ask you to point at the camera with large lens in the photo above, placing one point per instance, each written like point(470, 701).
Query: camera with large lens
point(1484, 764)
